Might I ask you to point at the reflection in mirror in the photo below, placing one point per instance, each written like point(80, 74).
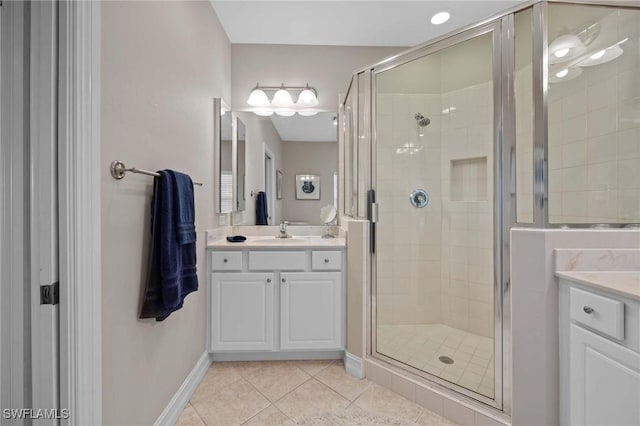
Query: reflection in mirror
point(240, 165)
point(296, 145)
point(226, 163)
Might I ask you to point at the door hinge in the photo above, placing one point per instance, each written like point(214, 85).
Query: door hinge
point(374, 212)
point(50, 294)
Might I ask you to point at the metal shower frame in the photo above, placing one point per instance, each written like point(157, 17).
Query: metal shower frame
point(502, 28)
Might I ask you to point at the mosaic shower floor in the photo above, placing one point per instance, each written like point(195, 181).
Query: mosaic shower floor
point(423, 346)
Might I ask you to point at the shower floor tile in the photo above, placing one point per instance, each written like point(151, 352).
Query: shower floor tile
point(421, 346)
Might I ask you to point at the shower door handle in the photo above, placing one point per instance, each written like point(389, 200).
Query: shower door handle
point(372, 215)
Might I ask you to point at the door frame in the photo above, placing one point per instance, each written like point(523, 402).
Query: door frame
point(501, 212)
point(79, 210)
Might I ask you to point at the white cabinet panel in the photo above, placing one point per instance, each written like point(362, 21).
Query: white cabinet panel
point(598, 312)
point(604, 381)
point(242, 311)
point(277, 260)
point(226, 261)
point(311, 310)
point(326, 260)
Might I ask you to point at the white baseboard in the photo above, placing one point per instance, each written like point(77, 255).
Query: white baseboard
point(172, 411)
point(353, 365)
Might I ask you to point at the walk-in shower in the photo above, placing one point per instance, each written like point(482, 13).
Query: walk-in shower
point(450, 144)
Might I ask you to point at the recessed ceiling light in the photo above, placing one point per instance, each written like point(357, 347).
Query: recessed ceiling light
point(440, 18)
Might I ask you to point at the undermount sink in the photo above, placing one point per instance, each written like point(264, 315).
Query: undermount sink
point(281, 241)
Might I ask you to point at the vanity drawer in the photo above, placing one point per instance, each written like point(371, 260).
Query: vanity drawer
point(600, 313)
point(277, 260)
point(326, 260)
point(226, 261)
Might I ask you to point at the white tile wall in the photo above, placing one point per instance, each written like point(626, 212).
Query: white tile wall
point(594, 139)
point(435, 264)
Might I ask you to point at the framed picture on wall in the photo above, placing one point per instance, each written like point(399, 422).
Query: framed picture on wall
point(278, 184)
point(307, 187)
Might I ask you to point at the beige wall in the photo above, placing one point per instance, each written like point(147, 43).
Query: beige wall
point(318, 158)
point(327, 68)
point(260, 132)
point(357, 280)
point(162, 65)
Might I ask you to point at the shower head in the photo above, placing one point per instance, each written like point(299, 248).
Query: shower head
point(421, 119)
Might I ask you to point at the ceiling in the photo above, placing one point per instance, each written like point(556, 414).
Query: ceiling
point(317, 128)
point(347, 23)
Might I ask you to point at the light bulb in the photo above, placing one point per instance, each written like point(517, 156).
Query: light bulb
point(563, 73)
point(307, 98)
point(307, 113)
point(599, 54)
point(561, 53)
point(440, 18)
point(285, 113)
point(282, 98)
point(263, 112)
point(258, 98)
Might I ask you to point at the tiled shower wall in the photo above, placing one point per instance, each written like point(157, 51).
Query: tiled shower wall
point(435, 265)
point(409, 239)
point(467, 205)
point(594, 138)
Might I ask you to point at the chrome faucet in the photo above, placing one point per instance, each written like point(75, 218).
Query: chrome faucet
point(283, 230)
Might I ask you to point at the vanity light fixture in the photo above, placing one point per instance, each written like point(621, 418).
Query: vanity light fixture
point(282, 102)
point(565, 47)
point(307, 98)
point(565, 74)
point(258, 98)
point(602, 56)
point(440, 18)
point(307, 113)
point(282, 98)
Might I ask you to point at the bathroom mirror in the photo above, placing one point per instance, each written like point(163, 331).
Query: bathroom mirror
point(223, 151)
point(240, 165)
point(274, 151)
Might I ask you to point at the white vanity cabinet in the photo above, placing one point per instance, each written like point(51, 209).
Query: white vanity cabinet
point(265, 304)
point(599, 357)
point(311, 310)
point(242, 311)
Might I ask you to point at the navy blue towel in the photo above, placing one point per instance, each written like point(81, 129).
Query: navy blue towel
point(262, 216)
point(172, 272)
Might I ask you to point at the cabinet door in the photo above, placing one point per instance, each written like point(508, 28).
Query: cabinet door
point(242, 317)
point(604, 381)
point(311, 310)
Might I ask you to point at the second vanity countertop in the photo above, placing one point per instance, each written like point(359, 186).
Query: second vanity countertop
point(614, 270)
point(623, 283)
point(271, 242)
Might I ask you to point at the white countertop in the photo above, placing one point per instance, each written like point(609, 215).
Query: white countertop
point(270, 242)
point(623, 283)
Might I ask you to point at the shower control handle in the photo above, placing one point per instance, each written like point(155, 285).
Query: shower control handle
point(419, 198)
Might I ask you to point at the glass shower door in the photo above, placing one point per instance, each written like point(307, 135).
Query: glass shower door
point(433, 163)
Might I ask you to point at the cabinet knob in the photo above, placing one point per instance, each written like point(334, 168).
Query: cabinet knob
point(588, 309)
point(326, 261)
point(225, 260)
point(268, 280)
point(283, 280)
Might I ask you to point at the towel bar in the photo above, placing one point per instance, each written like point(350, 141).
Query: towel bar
point(119, 170)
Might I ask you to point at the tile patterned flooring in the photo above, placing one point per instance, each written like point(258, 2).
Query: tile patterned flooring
point(420, 345)
point(275, 392)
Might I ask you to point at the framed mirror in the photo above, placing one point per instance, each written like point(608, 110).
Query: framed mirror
point(240, 171)
point(223, 151)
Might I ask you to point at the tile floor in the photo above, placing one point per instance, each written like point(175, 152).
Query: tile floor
point(274, 392)
point(420, 345)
